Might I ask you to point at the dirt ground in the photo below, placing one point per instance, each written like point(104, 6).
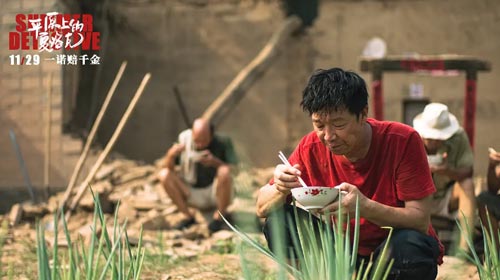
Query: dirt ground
point(201, 48)
point(171, 254)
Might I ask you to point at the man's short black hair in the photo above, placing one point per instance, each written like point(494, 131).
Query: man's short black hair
point(334, 89)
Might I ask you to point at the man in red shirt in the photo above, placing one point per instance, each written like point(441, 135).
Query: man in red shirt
point(382, 163)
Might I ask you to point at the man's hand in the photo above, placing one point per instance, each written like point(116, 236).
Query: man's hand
point(442, 168)
point(348, 201)
point(456, 173)
point(495, 161)
point(208, 159)
point(494, 157)
point(272, 196)
point(286, 178)
point(414, 214)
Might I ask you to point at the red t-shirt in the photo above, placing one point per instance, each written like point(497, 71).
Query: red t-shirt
point(394, 170)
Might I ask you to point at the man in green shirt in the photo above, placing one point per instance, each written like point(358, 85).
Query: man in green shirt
point(451, 163)
point(203, 177)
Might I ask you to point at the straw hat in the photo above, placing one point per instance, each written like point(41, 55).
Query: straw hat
point(435, 122)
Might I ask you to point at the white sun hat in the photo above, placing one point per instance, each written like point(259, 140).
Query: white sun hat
point(436, 122)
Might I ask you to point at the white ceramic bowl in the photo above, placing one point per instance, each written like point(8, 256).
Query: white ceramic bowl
point(436, 159)
point(196, 155)
point(315, 197)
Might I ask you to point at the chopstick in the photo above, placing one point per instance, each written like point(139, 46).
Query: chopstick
point(287, 163)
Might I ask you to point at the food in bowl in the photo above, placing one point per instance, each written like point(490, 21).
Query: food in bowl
point(315, 197)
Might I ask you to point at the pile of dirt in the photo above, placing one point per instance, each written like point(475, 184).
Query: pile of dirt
point(132, 190)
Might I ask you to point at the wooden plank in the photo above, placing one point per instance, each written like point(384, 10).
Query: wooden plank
point(90, 138)
point(134, 174)
point(424, 63)
point(15, 214)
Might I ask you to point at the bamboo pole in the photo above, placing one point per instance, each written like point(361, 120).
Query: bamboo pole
point(236, 90)
point(90, 138)
point(110, 144)
point(48, 136)
point(22, 165)
point(182, 107)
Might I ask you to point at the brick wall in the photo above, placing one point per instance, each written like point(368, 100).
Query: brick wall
point(24, 105)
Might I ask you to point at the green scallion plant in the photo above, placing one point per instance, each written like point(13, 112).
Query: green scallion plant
point(107, 257)
point(327, 255)
point(488, 267)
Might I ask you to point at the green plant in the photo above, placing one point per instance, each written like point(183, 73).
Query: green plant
point(327, 255)
point(161, 247)
point(3, 235)
point(222, 247)
point(107, 257)
point(488, 267)
point(252, 267)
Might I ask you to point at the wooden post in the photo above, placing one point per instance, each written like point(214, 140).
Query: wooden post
point(470, 105)
point(110, 144)
point(235, 91)
point(46, 173)
point(378, 95)
point(182, 107)
point(90, 138)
